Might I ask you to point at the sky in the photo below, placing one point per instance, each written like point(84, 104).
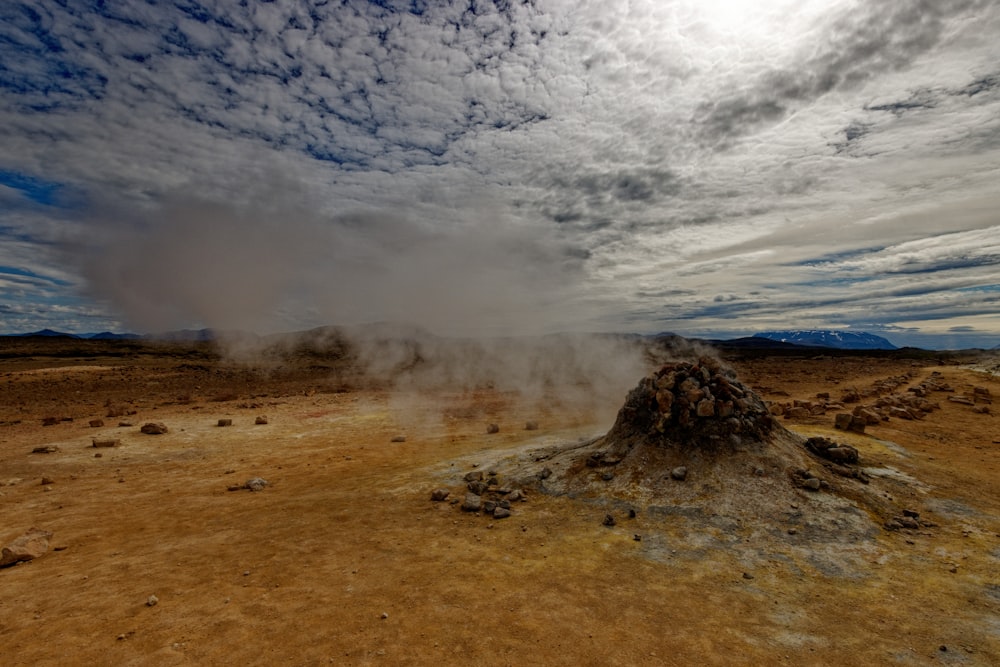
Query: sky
point(705, 167)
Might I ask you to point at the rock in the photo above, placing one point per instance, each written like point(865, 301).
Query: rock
point(472, 503)
point(398, 438)
point(473, 476)
point(152, 600)
point(107, 442)
point(797, 413)
point(908, 522)
point(124, 424)
point(544, 473)
point(256, 484)
point(679, 473)
point(842, 420)
point(857, 425)
point(492, 428)
point(45, 449)
point(962, 400)
point(49, 421)
point(637, 537)
point(842, 454)
point(607, 476)
point(501, 513)
point(981, 409)
point(154, 428)
point(438, 495)
point(260, 420)
point(913, 514)
point(222, 422)
point(813, 484)
point(531, 426)
point(609, 520)
point(515, 495)
point(478, 488)
point(47, 480)
point(96, 423)
point(489, 506)
point(705, 408)
point(747, 576)
point(32, 544)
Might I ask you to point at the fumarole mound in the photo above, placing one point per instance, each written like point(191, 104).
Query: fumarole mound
point(693, 443)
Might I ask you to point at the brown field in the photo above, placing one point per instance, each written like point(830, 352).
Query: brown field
point(343, 558)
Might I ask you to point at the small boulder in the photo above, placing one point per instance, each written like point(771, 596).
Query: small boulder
point(472, 503)
point(438, 495)
point(609, 520)
point(260, 420)
point(45, 449)
point(531, 426)
point(812, 484)
point(501, 513)
point(96, 423)
point(398, 438)
point(256, 484)
point(679, 473)
point(32, 544)
point(105, 442)
point(154, 428)
point(222, 422)
point(492, 428)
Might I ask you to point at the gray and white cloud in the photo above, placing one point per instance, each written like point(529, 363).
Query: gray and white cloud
point(701, 166)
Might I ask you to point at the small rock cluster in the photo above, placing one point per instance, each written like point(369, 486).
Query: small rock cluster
point(484, 495)
point(913, 404)
point(838, 459)
point(910, 519)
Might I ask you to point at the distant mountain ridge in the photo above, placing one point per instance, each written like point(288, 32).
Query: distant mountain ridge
point(49, 333)
point(841, 340)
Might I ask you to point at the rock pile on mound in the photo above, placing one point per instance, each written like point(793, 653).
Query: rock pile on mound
point(691, 406)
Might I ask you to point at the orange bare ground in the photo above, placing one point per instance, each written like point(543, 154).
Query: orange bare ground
point(343, 559)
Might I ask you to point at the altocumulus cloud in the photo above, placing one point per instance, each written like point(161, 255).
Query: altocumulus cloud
point(700, 166)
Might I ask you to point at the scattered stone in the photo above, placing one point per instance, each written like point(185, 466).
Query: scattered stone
point(637, 537)
point(501, 513)
point(531, 426)
point(124, 424)
point(832, 451)
point(842, 420)
point(609, 520)
point(962, 400)
point(492, 428)
point(679, 473)
point(106, 442)
point(384, 615)
point(631, 513)
point(544, 473)
point(981, 409)
point(154, 428)
point(47, 480)
point(516, 495)
point(45, 449)
point(49, 421)
point(489, 506)
point(260, 420)
point(607, 476)
point(478, 488)
point(398, 438)
point(747, 575)
point(438, 495)
point(96, 423)
point(793, 531)
point(912, 514)
point(32, 544)
point(222, 422)
point(473, 476)
point(812, 484)
point(908, 522)
point(472, 503)
point(152, 600)
point(98, 455)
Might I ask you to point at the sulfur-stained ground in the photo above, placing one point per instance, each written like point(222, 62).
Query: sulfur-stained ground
point(343, 558)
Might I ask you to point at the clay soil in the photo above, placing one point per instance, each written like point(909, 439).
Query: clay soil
point(343, 558)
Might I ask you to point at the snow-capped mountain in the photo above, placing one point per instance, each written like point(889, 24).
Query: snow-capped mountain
point(843, 340)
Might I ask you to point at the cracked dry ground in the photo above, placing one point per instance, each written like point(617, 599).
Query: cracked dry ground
point(343, 559)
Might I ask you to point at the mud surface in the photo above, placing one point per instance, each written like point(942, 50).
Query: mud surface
point(343, 558)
